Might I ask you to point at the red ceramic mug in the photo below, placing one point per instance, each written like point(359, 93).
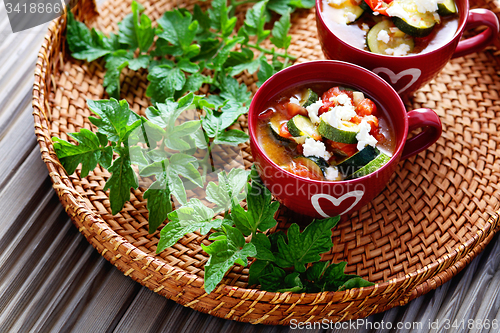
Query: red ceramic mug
point(323, 198)
point(408, 73)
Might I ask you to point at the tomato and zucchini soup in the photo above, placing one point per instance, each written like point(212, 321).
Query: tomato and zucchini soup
point(392, 27)
point(325, 133)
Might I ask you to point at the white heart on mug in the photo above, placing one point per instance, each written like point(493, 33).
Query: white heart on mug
point(413, 72)
point(336, 201)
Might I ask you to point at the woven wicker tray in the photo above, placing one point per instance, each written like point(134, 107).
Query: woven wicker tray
point(436, 214)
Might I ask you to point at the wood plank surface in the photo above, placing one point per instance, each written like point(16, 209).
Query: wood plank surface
point(52, 280)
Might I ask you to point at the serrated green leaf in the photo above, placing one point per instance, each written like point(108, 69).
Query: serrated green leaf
point(228, 189)
point(116, 120)
point(281, 7)
point(265, 72)
point(140, 62)
point(223, 53)
point(135, 29)
point(292, 283)
point(273, 280)
point(231, 137)
point(159, 204)
point(164, 81)
point(355, 282)
point(178, 28)
point(302, 3)
point(306, 247)
point(263, 247)
point(87, 44)
point(115, 63)
point(224, 253)
point(91, 149)
point(122, 179)
point(189, 218)
point(257, 269)
point(260, 213)
point(255, 19)
point(280, 30)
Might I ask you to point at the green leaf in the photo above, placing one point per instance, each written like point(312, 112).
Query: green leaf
point(214, 123)
point(229, 188)
point(272, 280)
point(122, 179)
point(116, 121)
point(302, 3)
point(203, 19)
point(179, 29)
point(263, 247)
point(356, 282)
point(232, 137)
point(91, 149)
point(224, 253)
point(260, 213)
point(292, 283)
point(265, 72)
point(159, 204)
point(164, 81)
point(167, 112)
point(115, 63)
point(255, 20)
point(257, 269)
point(87, 44)
point(135, 30)
point(280, 30)
point(223, 53)
point(281, 7)
point(182, 164)
point(187, 66)
point(306, 247)
point(219, 19)
point(140, 62)
point(233, 91)
point(189, 218)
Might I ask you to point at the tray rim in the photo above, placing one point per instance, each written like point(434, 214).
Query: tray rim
point(115, 247)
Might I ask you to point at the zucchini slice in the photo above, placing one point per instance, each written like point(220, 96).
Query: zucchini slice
point(345, 135)
point(274, 125)
point(396, 39)
point(416, 24)
point(347, 12)
point(358, 160)
point(315, 164)
point(372, 166)
point(448, 7)
point(308, 98)
point(302, 126)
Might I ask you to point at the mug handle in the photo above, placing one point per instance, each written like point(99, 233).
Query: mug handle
point(430, 123)
point(478, 17)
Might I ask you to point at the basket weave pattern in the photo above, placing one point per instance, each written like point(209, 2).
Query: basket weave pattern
point(438, 212)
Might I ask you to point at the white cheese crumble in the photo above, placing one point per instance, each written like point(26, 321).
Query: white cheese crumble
point(315, 148)
point(294, 100)
point(312, 111)
point(336, 2)
point(364, 137)
point(395, 9)
point(351, 17)
point(401, 50)
point(365, 27)
point(424, 6)
point(383, 36)
point(343, 111)
point(331, 173)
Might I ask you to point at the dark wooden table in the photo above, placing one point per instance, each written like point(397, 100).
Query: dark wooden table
point(52, 280)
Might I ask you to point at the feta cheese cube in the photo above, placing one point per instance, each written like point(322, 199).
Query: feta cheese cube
point(332, 173)
point(313, 109)
point(312, 147)
point(383, 36)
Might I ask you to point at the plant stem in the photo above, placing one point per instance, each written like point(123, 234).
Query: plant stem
point(261, 49)
point(237, 3)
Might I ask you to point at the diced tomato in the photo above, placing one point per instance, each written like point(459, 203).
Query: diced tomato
point(355, 120)
point(284, 131)
point(325, 107)
point(379, 6)
point(366, 108)
point(266, 114)
point(295, 109)
point(335, 91)
point(302, 171)
point(377, 135)
point(300, 149)
point(348, 149)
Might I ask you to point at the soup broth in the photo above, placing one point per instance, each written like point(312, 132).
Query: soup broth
point(355, 33)
point(296, 133)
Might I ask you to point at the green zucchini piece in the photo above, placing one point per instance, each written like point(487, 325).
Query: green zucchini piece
point(347, 12)
point(308, 98)
point(448, 7)
point(274, 125)
point(339, 135)
point(313, 163)
point(372, 166)
point(365, 7)
point(302, 126)
point(358, 160)
point(396, 39)
point(417, 24)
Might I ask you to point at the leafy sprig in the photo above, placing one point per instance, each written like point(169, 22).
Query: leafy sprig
point(177, 55)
